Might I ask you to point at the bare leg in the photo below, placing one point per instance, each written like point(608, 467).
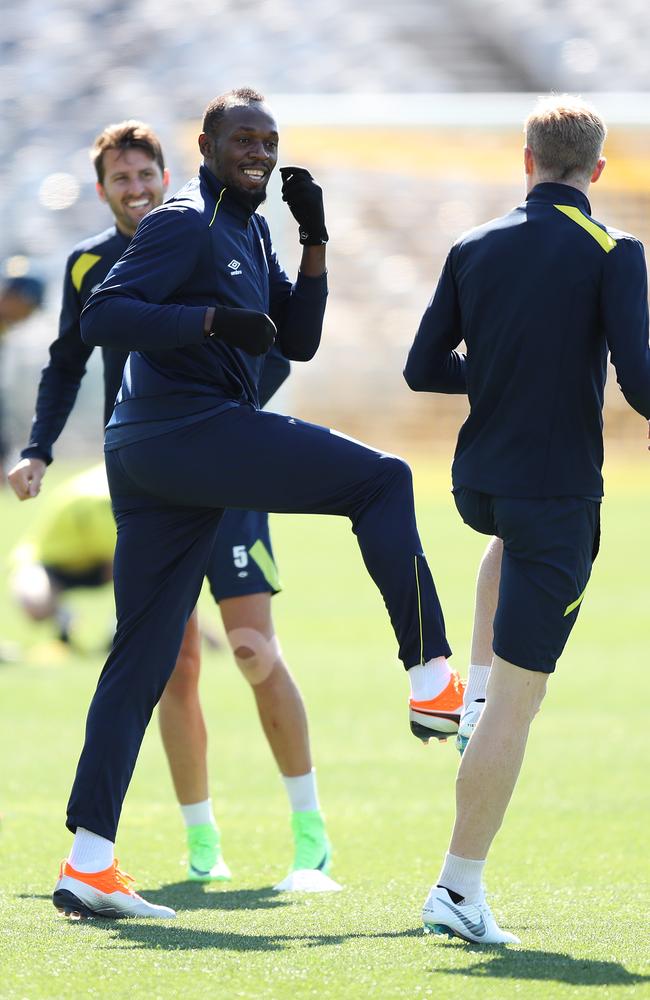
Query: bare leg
point(249, 628)
point(182, 726)
point(486, 779)
point(279, 703)
point(492, 761)
point(487, 595)
point(478, 674)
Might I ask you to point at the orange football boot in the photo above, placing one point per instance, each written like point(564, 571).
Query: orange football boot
point(84, 895)
point(438, 717)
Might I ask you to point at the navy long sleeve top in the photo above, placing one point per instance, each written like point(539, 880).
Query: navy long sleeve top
point(86, 268)
point(203, 247)
point(539, 296)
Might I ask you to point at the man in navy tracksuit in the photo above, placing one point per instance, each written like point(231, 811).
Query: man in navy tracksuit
point(199, 298)
point(132, 180)
point(539, 296)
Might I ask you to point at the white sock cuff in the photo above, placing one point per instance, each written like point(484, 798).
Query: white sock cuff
point(198, 813)
point(302, 791)
point(462, 875)
point(477, 680)
point(90, 852)
point(428, 679)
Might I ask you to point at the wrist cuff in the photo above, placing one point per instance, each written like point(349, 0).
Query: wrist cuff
point(216, 322)
point(34, 451)
point(313, 239)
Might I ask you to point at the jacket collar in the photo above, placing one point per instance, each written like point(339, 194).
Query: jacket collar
point(227, 199)
point(559, 194)
point(125, 239)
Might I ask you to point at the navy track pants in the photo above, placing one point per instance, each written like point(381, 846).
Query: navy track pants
point(168, 494)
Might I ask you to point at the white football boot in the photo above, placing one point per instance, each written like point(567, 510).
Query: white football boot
point(472, 922)
point(468, 722)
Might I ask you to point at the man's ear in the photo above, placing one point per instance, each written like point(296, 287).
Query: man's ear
point(165, 179)
point(205, 144)
point(598, 169)
point(99, 188)
point(529, 161)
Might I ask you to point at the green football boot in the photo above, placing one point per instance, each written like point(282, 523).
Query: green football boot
point(312, 857)
point(205, 860)
point(312, 848)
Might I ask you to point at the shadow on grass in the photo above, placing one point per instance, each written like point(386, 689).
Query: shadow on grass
point(194, 896)
point(497, 961)
point(542, 966)
point(163, 935)
point(171, 938)
point(546, 966)
point(166, 936)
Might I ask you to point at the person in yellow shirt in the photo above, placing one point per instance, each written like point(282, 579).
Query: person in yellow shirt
point(70, 545)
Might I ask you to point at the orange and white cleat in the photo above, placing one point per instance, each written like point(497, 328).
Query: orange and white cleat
point(438, 717)
point(108, 894)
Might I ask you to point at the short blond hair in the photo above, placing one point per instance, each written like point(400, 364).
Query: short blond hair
point(566, 137)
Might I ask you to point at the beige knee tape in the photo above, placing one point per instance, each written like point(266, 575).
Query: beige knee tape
point(255, 655)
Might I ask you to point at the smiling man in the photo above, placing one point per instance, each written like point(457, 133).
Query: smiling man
point(199, 298)
point(131, 180)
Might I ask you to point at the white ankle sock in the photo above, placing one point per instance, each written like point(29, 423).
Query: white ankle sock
point(198, 813)
point(90, 852)
point(477, 680)
point(429, 679)
point(302, 791)
point(462, 875)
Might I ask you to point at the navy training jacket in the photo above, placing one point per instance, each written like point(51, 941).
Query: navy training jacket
point(202, 247)
point(539, 296)
point(86, 268)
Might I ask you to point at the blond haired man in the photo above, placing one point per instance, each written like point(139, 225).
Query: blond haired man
point(539, 296)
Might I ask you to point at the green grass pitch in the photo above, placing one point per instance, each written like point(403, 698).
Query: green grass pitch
point(568, 872)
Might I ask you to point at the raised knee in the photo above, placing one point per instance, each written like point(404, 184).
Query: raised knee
point(397, 468)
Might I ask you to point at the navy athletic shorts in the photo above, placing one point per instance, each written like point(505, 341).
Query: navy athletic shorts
point(242, 560)
point(549, 546)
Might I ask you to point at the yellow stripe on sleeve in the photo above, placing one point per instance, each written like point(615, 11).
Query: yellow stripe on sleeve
point(81, 267)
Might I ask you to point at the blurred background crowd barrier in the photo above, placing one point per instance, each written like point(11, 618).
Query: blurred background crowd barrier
point(409, 115)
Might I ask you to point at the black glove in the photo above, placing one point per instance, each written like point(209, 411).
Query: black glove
point(305, 200)
point(252, 331)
